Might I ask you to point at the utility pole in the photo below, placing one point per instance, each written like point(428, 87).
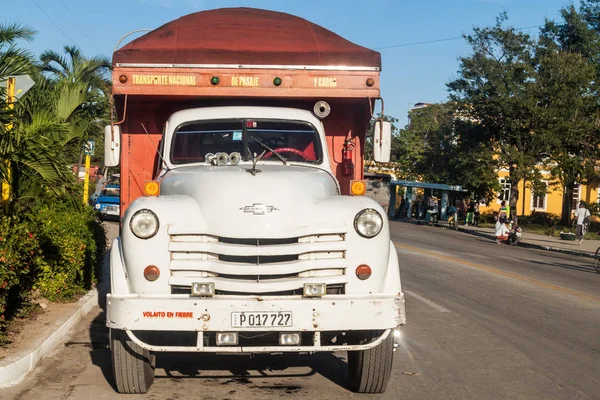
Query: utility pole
point(89, 149)
point(86, 179)
point(7, 181)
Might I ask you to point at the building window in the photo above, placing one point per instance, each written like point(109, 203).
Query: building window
point(504, 190)
point(576, 196)
point(539, 196)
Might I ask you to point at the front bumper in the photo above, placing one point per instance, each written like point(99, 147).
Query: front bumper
point(344, 313)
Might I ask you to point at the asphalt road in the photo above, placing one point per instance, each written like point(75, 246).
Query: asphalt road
point(484, 322)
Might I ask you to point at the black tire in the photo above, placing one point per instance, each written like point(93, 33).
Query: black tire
point(133, 366)
point(370, 369)
point(597, 260)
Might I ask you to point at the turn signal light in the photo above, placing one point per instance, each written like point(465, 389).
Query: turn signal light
point(151, 273)
point(358, 188)
point(363, 272)
point(151, 188)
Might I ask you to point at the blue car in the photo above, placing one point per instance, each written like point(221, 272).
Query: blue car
point(108, 204)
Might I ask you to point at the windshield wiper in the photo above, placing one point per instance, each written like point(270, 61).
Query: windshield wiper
point(281, 158)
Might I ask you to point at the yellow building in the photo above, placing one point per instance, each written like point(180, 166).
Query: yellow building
point(551, 202)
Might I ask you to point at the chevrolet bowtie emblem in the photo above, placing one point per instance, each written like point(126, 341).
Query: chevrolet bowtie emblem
point(258, 209)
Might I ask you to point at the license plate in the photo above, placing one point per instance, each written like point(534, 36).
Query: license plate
point(261, 319)
point(112, 212)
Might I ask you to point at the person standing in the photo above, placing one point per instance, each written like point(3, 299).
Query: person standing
point(582, 214)
point(400, 212)
point(100, 185)
point(420, 210)
point(504, 212)
point(470, 213)
point(476, 212)
point(462, 208)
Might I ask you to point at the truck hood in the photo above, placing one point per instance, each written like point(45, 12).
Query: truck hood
point(223, 193)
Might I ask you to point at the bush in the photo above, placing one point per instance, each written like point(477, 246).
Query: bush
point(21, 259)
point(71, 251)
point(487, 218)
point(547, 220)
point(54, 251)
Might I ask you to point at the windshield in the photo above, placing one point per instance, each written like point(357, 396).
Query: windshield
point(295, 140)
point(111, 191)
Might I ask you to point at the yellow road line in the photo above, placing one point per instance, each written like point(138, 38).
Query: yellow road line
point(500, 272)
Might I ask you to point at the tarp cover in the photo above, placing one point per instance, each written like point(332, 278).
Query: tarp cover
point(245, 36)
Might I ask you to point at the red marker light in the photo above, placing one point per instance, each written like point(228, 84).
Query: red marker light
point(363, 272)
point(151, 273)
point(250, 124)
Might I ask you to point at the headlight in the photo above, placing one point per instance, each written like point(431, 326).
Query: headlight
point(368, 223)
point(144, 224)
point(97, 206)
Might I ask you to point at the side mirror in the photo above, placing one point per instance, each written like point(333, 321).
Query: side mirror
point(382, 141)
point(112, 145)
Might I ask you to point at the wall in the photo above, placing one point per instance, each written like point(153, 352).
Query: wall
point(554, 197)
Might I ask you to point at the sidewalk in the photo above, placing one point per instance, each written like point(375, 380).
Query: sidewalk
point(531, 240)
point(15, 367)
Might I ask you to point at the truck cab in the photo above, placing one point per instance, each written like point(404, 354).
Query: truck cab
point(242, 229)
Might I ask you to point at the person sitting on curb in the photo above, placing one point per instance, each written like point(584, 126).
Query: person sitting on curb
point(502, 233)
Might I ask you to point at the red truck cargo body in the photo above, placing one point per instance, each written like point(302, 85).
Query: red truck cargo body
point(240, 57)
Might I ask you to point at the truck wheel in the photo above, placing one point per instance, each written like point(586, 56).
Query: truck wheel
point(133, 366)
point(370, 369)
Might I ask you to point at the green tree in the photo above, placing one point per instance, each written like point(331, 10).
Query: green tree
point(50, 123)
point(493, 90)
point(447, 149)
point(76, 68)
point(85, 85)
point(43, 144)
point(567, 89)
point(13, 61)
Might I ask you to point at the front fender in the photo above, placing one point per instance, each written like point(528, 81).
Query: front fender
point(118, 274)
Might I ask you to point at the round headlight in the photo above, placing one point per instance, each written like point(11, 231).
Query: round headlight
point(97, 206)
point(144, 224)
point(368, 223)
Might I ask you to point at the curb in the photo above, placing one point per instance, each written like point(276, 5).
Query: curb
point(529, 245)
point(14, 369)
point(524, 244)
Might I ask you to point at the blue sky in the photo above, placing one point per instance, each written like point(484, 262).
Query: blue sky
point(411, 74)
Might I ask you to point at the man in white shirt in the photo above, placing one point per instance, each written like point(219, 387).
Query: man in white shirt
point(582, 214)
point(502, 233)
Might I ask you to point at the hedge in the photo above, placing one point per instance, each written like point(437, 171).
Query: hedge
point(53, 252)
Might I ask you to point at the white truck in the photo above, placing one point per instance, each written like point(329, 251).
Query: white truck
point(244, 228)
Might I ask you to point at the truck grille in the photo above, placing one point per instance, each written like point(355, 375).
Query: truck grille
point(275, 267)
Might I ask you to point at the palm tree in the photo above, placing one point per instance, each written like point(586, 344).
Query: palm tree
point(13, 61)
point(77, 68)
point(44, 143)
point(85, 91)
